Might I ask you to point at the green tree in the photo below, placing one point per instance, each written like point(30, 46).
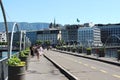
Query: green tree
point(47, 42)
point(61, 42)
point(39, 42)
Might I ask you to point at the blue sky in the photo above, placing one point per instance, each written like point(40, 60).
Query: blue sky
point(64, 11)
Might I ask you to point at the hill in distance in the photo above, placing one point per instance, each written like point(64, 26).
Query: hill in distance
point(24, 26)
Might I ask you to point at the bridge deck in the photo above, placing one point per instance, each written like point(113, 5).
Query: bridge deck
point(43, 70)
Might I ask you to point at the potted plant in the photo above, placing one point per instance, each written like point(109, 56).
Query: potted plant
point(65, 48)
point(24, 56)
point(101, 52)
point(118, 55)
point(73, 49)
point(79, 49)
point(16, 69)
point(88, 51)
point(68, 48)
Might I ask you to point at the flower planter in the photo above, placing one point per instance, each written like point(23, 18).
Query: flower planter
point(79, 50)
point(24, 56)
point(26, 60)
point(64, 48)
point(118, 55)
point(101, 54)
point(88, 51)
point(16, 72)
point(73, 49)
point(16, 68)
point(68, 48)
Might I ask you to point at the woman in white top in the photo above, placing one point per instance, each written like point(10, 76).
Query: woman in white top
point(39, 51)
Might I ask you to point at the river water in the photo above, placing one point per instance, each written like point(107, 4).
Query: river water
point(4, 54)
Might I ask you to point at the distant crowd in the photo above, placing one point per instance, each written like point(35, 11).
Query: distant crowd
point(38, 50)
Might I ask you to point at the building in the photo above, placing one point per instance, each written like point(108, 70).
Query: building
point(52, 34)
point(110, 34)
point(64, 34)
point(71, 33)
point(3, 37)
point(32, 35)
point(18, 39)
point(89, 36)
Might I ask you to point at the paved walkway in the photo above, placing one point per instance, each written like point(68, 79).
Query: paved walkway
point(43, 70)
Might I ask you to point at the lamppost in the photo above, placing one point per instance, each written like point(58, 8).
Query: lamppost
point(24, 35)
point(22, 39)
point(80, 45)
point(27, 42)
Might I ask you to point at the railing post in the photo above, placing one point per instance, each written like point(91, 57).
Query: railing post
point(20, 40)
point(0, 54)
point(11, 41)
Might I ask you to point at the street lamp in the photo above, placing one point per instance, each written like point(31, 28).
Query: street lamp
point(81, 45)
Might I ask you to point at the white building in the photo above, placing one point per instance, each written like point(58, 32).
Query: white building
point(3, 37)
point(89, 36)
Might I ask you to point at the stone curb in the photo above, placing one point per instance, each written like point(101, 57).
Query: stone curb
point(62, 70)
point(97, 59)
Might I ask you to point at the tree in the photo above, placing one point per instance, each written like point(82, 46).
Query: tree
point(61, 42)
point(39, 42)
point(47, 43)
point(50, 25)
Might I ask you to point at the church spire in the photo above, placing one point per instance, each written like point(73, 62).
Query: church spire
point(54, 23)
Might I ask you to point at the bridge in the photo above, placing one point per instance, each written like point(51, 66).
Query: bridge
point(6, 49)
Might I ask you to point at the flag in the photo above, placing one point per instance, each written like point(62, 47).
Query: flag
point(78, 20)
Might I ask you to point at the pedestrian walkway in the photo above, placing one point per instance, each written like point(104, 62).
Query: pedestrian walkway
point(43, 70)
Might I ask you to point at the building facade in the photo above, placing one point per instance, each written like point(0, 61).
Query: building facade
point(51, 34)
point(3, 37)
point(110, 34)
point(71, 33)
point(32, 35)
point(64, 34)
point(89, 36)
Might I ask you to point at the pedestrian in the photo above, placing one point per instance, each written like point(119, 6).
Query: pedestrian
point(39, 51)
point(31, 51)
point(97, 52)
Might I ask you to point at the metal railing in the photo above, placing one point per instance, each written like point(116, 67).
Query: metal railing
point(3, 69)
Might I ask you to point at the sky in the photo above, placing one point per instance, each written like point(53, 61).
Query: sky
point(63, 11)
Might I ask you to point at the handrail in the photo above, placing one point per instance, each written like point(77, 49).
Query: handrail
point(7, 57)
point(3, 59)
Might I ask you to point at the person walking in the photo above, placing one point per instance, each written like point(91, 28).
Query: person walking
point(39, 51)
point(97, 53)
point(32, 51)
